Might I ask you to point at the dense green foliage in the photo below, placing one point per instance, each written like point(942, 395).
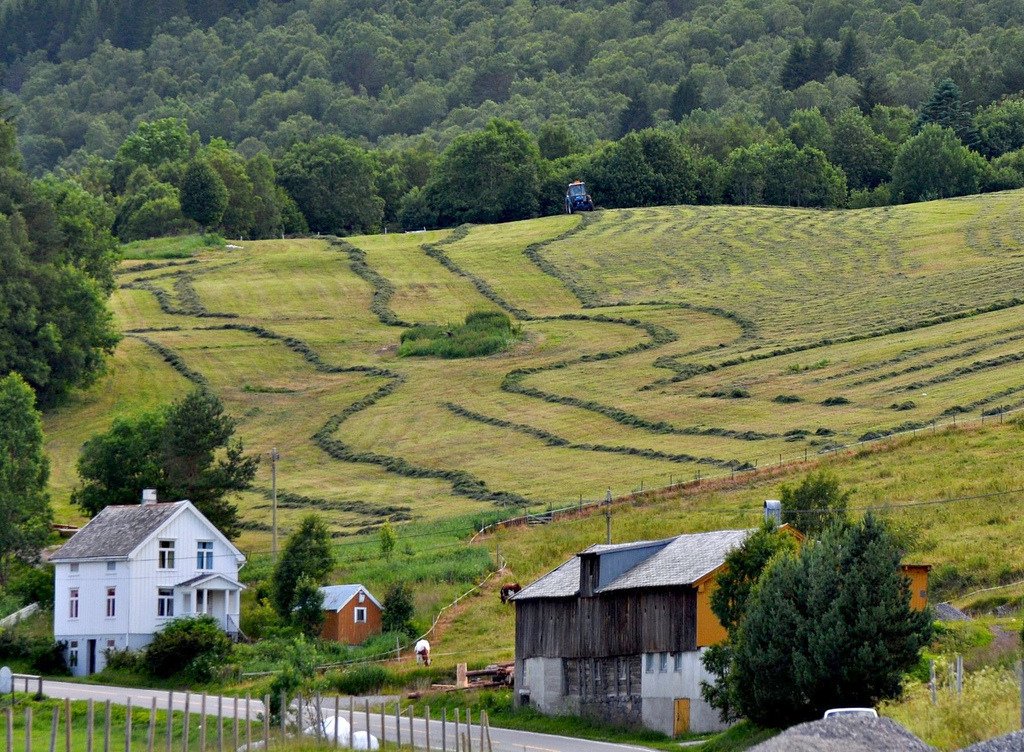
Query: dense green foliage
point(734, 585)
point(204, 196)
point(483, 333)
point(186, 451)
point(307, 555)
point(56, 257)
point(25, 513)
point(829, 628)
point(817, 502)
point(192, 645)
point(398, 609)
point(308, 611)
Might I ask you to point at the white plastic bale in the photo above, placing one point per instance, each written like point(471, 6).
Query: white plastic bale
point(327, 729)
point(365, 740)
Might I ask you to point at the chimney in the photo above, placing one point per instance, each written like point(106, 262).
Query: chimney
point(773, 511)
point(148, 496)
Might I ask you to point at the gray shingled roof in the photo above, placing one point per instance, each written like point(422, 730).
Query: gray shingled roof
point(336, 596)
point(683, 561)
point(116, 531)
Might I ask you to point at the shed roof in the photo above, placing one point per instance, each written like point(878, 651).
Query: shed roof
point(117, 531)
point(682, 560)
point(336, 597)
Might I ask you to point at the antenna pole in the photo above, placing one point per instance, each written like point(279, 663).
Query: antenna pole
point(608, 517)
point(274, 457)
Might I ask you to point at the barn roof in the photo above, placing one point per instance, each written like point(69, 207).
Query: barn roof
point(336, 597)
point(117, 531)
point(678, 561)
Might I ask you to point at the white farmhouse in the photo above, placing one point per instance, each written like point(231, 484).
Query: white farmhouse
point(132, 569)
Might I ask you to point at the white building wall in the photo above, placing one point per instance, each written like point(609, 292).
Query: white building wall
point(679, 679)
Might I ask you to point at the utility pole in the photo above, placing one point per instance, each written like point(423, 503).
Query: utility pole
point(608, 517)
point(274, 457)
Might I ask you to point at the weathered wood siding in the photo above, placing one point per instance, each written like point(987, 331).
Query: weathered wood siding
point(608, 625)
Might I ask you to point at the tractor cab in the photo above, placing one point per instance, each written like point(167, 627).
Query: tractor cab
point(577, 198)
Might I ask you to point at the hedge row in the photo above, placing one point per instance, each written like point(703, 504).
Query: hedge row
point(383, 290)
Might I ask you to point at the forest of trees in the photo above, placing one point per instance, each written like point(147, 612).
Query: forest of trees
point(258, 118)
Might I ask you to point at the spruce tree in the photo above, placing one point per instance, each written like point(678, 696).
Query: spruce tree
point(946, 108)
point(636, 117)
point(685, 99)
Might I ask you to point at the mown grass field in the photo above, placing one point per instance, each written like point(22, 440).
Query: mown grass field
point(658, 344)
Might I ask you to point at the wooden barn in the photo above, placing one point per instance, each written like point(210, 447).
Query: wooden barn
point(617, 632)
point(353, 615)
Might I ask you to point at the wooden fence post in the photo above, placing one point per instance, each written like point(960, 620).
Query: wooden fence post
point(932, 683)
point(412, 736)
point(444, 730)
point(202, 723)
point(106, 726)
point(128, 725)
point(186, 722)
point(283, 714)
point(490, 748)
point(28, 727)
point(10, 729)
point(299, 710)
point(248, 721)
point(351, 724)
point(426, 725)
point(266, 722)
point(170, 721)
point(220, 723)
point(54, 723)
point(383, 712)
point(234, 727)
point(457, 730)
point(398, 724)
point(151, 731)
point(67, 724)
point(367, 709)
point(90, 723)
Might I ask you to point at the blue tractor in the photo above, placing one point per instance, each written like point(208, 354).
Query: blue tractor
point(577, 199)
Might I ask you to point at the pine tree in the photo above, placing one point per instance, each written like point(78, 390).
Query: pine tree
point(636, 116)
point(946, 108)
point(831, 628)
point(685, 99)
point(204, 197)
point(852, 54)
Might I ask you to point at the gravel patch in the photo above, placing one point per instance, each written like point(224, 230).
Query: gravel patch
point(846, 734)
point(1010, 743)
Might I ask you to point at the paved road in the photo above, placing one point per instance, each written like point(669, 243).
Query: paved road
point(503, 740)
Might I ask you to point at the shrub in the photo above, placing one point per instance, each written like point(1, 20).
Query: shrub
point(398, 608)
point(49, 658)
point(125, 660)
point(195, 645)
point(483, 333)
point(33, 585)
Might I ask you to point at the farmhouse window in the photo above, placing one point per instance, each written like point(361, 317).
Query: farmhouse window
point(650, 663)
point(679, 662)
point(74, 568)
point(165, 555)
point(663, 662)
point(165, 601)
point(111, 602)
point(73, 603)
point(362, 597)
point(204, 555)
point(111, 645)
point(360, 616)
point(111, 566)
point(73, 654)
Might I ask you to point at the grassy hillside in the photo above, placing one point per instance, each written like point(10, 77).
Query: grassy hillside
point(657, 344)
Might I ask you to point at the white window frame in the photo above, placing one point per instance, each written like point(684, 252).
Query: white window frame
point(362, 597)
point(204, 556)
point(356, 614)
point(165, 554)
point(662, 663)
point(111, 645)
point(73, 654)
point(165, 603)
point(111, 602)
point(678, 662)
point(649, 661)
point(73, 569)
point(73, 603)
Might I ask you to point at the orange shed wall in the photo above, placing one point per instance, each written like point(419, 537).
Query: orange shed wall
point(340, 626)
point(918, 576)
point(709, 630)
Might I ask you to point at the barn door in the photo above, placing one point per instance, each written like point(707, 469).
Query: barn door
point(682, 717)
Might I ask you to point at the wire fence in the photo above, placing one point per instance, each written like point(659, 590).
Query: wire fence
point(740, 475)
